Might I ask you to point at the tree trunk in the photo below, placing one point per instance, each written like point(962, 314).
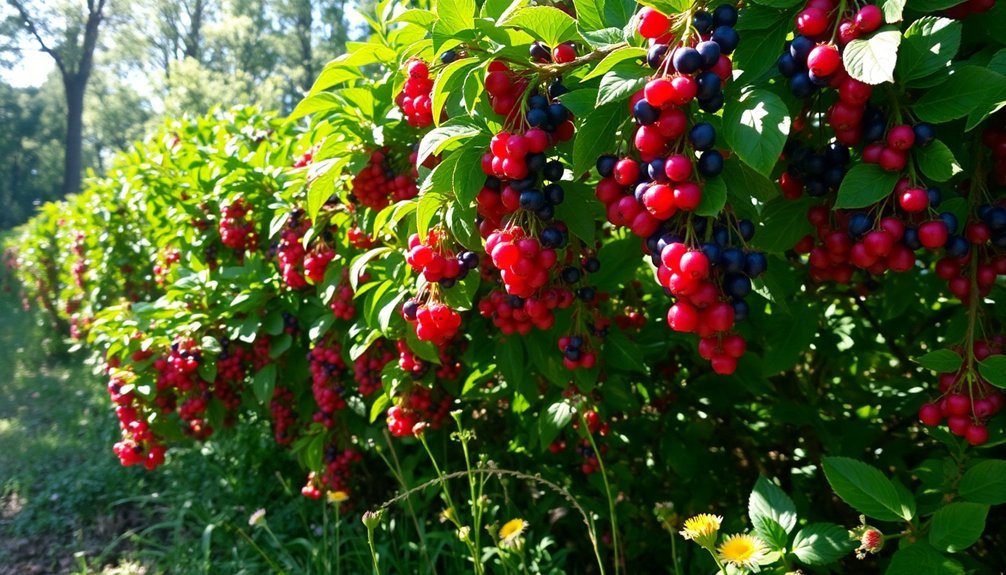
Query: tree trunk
point(73, 164)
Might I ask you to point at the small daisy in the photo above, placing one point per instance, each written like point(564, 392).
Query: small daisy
point(742, 550)
point(511, 531)
point(702, 528)
point(337, 496)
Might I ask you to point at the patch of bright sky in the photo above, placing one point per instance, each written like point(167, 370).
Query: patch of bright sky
point(31, 70)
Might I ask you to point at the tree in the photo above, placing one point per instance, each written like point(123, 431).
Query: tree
point(70, 37)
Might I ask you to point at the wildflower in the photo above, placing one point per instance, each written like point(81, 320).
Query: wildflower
point(257, 518)
point(371, 519)
point(742, 550)
point(702, 529)
point(337, 496)
point(511, 531)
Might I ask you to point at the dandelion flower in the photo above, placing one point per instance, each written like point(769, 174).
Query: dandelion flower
point(702, 528)
point(742, 550)
point(337, 496)
point(511, 531)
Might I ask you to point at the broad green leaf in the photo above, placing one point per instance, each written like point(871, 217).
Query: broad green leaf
point(623, 353)
point(714, 197)
point(822, 543)
point(381, 403)
point(447, 82)
point(936, 161)
point(580, 103)
point(784, 223)
point(595, 136)
point(615, 57)
point(552, 420)
point(461, 295)
point(967, 89)
point(993, 369)
point(984, 483)
point(669, 7)
point(321, 102)
point(600, 14)
point(892, 10)
point(546, 23)
point(794, 333)
point(264, 382)
point(510, 360)
point(619, 260)
point(864, 185)
point(468, 177)
point(437, 139)
point(957, 526)
point(921, 559)
point(928, 46)
point(866, 489)
point(455, 16)
point(621, 82)
point(581, 211)
point(872, 60)
point(767, 500)
point(743, 183)
point(756, 127)
point(758, 51)
point(940, 361)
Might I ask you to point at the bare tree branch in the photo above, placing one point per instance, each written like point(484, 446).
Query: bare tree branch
point(30, 24)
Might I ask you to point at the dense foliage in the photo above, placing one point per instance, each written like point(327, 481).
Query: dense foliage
point(667, 260)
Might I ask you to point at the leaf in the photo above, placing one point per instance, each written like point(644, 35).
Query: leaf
point(967, 89)
point(758, 52)
point(438, 138)
point(605, 38)
point(619, 260)
point(613, 58)
point(822, 543)
point(669, 6)
point(455, 16)
point(321, 102)
point(927, 47)
point(264, 382)
point(866, 489)
point(940, 361)
point(773, 534)
point(459, 296)
point(872, 60)
point(623, 353)
point(864, 185)
point(510, 360)
point(756, 127)
point(795, 332)
point(937, 162)
point(984, 483)
point(743, 183)
point(714, 197)
point(784, 223)
point(381, 403)
point(993, 369)
point(599, 14)
point(595, 136)
point(581, 211)
point(580, 103)
point(552, 420)
point(892, 10)
point(546, 23)
point(320, 326)
point(621, 82)
point(767, 500)
point(922, 559)
point(957, 526)
point(446, 84)
point(468, 178)
point(210, 344)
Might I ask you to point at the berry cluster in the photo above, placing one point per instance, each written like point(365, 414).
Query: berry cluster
point(432, 321)
point(417, 410)
point(165, 261)
point(523, 261)
point(891, 153)
point(379, 184)
point(367, 368)
point(576, 352)
point(236, 230)
point(815, 173)
point(337, 473)
point(316, 262)
point(437, 262)
point(328, 374)
point(342, 305)
point(284, 418)
point(138, 445)
point(290, 250)
point(967, 401)
point(414, 100)
point(561, 54)
point(80, 262)
point(177, 379)
point(514, 314)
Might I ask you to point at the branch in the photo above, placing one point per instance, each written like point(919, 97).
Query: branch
point(26, 19)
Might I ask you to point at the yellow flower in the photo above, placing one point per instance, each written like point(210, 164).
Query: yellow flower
point(742, 550)
point(702, 529)
point(511, 531)
point(337, 496)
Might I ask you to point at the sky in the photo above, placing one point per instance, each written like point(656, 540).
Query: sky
point(30, 71)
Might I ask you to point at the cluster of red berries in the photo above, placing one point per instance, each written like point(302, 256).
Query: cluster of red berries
point(79, 267)
point(985, 239)
point(417, 410)
point(410, 362)
point(432, 321)
point(437, 262)
point(378, 184)
point(368, 367)
point(342, 299)
point(848, 241)
point(236, 230)
point(360, 239)
point(138, 445)
point(316, 262)
point(290, 251)
point(284, 418)
point(166, 260)
point(328, 375)
point(514, 314)
point(307, 157)
point(337, 474)
point(178, 380)
point(523, 262)
point(232, 365)
point(892, 155)
point(576, 352)
point(414, 100)
point(967, 401)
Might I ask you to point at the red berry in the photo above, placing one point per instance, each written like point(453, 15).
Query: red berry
point(652, 24)
point(563, 53)
point(811, 22)
point(868, 18)
point(930, 414)
point(824, 60)
point(913, 200)
point(976, 434)
point(901, 137)
point(659, 91)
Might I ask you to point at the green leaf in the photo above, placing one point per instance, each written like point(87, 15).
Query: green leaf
point(892, 10)
point(510, 360)
point(446, 84)
point(822, 543)
point(993, 369)
point(279, 345)
point(773, 534)
point(264, 382)
point(669, 7)
point(552, 420)
point(460, 295)
point(784, 223)
point(381, 402)
point(605, 38)
point(600, 14)
point(922, 559)
point(928, 46)
point(468, 178)
point(767, 500)
point(580, 103)
point(984, 483)
point(318, 103)
point(795, 332)
point(940, 361)
point(714, 197)
point(957, 526)
point(455, 16)
point(743, 183)
point(210, 344)
point(936, 161)
point(546, 23)
point(779, 3)
point(872, 60)
point(623, 353)
point(581, 211)
point(759, 50)
point(756, 127)
point(621, 82)
point(613, 58)
point(864, 185)
point(967, 89)
point(594, 137)
point(866, 489)
point(619, 260)
point(438, 138)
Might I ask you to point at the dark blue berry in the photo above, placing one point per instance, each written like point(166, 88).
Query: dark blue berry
point(725, 15)
point(532, 200)
point(644, 113)
point(801, 86)
point(448, 57)
point(740, 310)
point(710, 52)
point(712, 105)
point(551, 237)
point(585, 293)
point(554, 194)
point(859, 224)
point(545, 212)
point(537, 102)
point(957, 246)
point(800, 47)
point(709, 85)
point(732, 260)
point(570, 275)
point(592, 265)
point(535, 162)
point(655, 55)
point(911, 239)
point(410, 309)
point(656, 170)
point(557, 114)
point(557, 88)
point(925, 133)
point(755, 264)
point(746, 229)
point(787, 65)
point(711, 163)
point(470, 260)
point(703, 22)
point(712, 252)
point(536, 118)
point(737, 285)
point(606, 165)
point(702, 136)
point(686, 60)
point(935, 197)
point(951, 222)
point(552, 171)
point(727, 38)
